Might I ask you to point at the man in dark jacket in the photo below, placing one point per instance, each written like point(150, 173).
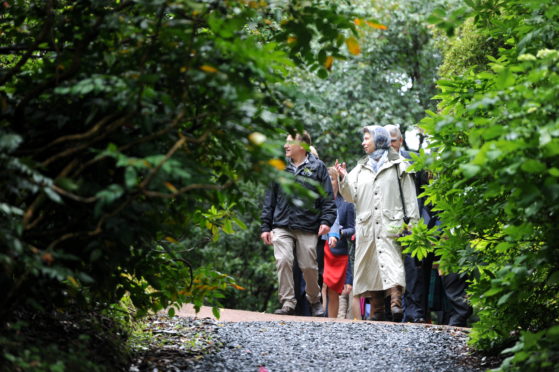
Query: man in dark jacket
point(292, 226)
point(417, 273)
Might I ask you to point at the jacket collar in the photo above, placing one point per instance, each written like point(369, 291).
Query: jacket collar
point(310, 162)
point(393, 158)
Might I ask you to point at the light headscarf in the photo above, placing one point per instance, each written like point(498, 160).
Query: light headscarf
point(381, 139)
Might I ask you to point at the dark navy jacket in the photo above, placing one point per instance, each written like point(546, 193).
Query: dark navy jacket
point(346, 220)
point(346, 226)
point(279, 211)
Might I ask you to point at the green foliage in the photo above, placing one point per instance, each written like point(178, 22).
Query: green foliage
point(252, 264)
point(391, 81)
point(465, 52)
point(534, 352)
point(241, 255)
point(418, 244)
point(64, 341)
point(494, 154)
point(125, 124)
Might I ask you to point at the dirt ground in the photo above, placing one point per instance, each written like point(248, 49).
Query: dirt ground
point(230, 315)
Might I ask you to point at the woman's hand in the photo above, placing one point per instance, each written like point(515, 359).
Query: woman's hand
point(332, 241)
point(341, 168)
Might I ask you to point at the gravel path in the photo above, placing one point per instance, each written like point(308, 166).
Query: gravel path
point(343, 346)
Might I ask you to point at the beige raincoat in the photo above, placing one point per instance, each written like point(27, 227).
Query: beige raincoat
point(379, 217)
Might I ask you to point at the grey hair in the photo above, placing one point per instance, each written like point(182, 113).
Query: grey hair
point(394, 131)
point(381, 137)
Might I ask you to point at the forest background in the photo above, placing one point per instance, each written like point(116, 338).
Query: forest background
point(137, 138)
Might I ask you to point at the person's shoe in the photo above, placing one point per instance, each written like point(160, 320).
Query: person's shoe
point(397, 314)
point(285, 310)
point(419, 320)
point(378, 317)
point(317, 309)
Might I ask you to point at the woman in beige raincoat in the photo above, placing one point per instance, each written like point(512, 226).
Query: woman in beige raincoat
point(373, 187)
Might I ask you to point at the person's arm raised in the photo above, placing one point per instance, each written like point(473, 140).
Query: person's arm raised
point(341, 168)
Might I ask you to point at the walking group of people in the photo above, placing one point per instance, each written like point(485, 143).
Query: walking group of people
point(368, 207)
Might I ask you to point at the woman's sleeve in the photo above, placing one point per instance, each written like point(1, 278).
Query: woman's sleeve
point(345, 187)
point(412, 205)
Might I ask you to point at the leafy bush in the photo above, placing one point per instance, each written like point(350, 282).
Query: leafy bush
point(64, 341)
point(122, 122)
point(495, 158)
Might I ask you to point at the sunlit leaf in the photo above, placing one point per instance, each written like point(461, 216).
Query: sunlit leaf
point(208, 69)
point(73, 281)
point(328, 62)
point(171, 187)
point(257, 138)
point(378, 26)
point(353, 46)
point(277, 163)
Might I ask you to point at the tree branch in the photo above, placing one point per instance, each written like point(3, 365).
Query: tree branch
point(27, 224)
point(115, 125)
point(98, 228)
point(81, 136)
point(170, 153)
point(73, 196)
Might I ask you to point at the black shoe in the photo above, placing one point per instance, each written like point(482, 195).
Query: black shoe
point(317, 309)
point(397, 314)
point(378, 317)
point(285, 310)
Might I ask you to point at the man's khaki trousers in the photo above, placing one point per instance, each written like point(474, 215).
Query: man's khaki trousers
point(284, 241)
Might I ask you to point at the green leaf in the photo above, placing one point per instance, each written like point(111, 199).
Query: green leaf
point(504, 298)
point(216, 312)
point(9, 142)
point(505, 79)
point(130, 177)
point(533, 166)
point(470, 170)
point(52, 195)
point(227, 227)
point(493, 291)
point(239, 223)
point(553, 331)
point(553, 278)
point(66, 183)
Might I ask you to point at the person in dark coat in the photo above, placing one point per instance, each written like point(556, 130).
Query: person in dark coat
point(418, 273)
point(338, 276)
point(293, 227)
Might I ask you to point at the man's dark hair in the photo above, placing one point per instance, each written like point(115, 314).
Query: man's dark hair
point(305, 137)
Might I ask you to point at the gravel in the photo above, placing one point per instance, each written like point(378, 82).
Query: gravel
point(346, 346)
